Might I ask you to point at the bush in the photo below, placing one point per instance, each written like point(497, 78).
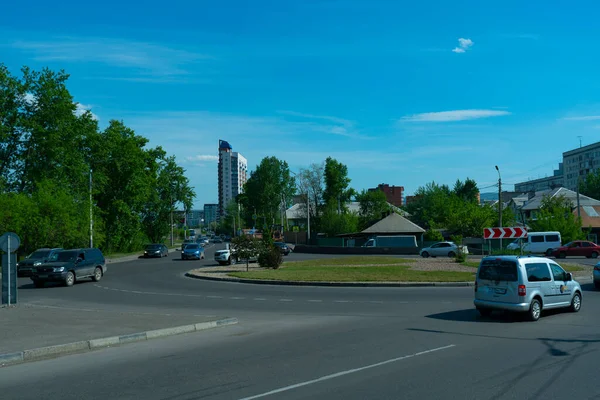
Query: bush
point(270, 257)
point(460, 257)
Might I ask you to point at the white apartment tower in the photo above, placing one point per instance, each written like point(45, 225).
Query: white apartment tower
point(233, 173)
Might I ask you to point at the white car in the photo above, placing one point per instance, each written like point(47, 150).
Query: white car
point(442, 249)
point(227, 257)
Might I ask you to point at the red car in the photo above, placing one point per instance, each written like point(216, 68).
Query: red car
point(576, 248)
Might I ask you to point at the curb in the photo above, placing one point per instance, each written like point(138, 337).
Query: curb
point(332, 284)
point(94, 344)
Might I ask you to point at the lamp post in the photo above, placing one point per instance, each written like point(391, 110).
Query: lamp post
point(91, 214)
point(499, 202)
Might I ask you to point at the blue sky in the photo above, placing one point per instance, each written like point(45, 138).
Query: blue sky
point(403, 93)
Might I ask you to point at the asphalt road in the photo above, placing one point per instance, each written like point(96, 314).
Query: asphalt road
point(313, 343)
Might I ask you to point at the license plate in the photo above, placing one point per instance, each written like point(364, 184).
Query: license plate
point(500, 291)
point(42, 276)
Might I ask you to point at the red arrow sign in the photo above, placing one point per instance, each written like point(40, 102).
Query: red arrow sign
point(504, 233)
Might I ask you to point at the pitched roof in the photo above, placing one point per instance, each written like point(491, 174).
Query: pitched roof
point(536, 201)
point(590, 216)
point(394, 223)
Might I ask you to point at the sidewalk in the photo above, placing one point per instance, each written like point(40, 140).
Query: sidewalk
point(26, 329)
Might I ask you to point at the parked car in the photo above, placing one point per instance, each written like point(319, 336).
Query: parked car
point(38, 257)
point(442, 249)
point(577, 248)
point(156, 250)
point(69, 266)
point(283, 248)
point(537, 242)
point(524, 284)
point(192, 251)
point(217, 240)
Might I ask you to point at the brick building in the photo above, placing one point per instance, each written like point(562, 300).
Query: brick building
point(393, 194)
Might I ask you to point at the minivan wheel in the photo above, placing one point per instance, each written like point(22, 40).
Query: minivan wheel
point(535, 310)
point(97, 274)
point(594, 255)
point(451, 254)
point(576, 302)
point(484, 312)
point(425, 254)
point(70, 279)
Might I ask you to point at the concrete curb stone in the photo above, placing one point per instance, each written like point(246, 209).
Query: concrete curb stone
point(94, 344)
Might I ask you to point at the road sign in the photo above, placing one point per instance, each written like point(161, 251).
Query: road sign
point(254, 216)
point(504, 233)
point(9, 239)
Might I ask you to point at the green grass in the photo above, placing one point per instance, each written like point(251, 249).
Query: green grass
point(472, 264)
point(388, 273)
point(571, 267)
point(347, 261)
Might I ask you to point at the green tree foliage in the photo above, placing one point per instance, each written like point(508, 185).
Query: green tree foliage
point(333, 223)
point(556, 214)
point(337, 191)
point(591, 185)
point(245, 247)
point(311, 186)
point(47, 149)
point(433, 235)
point(230, 223)
point(269, 185)
point(373, 206)
point(457, 210)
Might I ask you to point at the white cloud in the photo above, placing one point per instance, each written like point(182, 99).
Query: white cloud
point(202, 157)
point(144, 59)
point(463, 45)
point(582, 118)
point(455, 115)
point(82, 108)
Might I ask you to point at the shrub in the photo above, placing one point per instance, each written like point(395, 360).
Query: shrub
point(460, 257)
point(270, 257)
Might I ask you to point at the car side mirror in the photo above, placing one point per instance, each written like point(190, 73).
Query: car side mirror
point(569, 276)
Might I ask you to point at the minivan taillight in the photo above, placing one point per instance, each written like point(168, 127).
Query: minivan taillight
point(522, 290)
point(597, 268)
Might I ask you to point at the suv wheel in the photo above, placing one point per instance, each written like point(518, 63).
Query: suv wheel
point(535, 310)
point(70, 279)
point(576, 302)
point(97, 274)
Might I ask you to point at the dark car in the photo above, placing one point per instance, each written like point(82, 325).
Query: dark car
point(192, 251)
point(36, 258)
point(217, 240)
point(579, 248)
point(283, 248)
point(69, 266)
point(156, 250)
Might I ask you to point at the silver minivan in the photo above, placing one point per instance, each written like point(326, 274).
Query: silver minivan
point(524, 284)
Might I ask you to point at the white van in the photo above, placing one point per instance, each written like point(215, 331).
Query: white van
point(537, 242)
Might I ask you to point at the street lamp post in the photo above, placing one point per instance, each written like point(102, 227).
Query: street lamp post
point(499, 202)
point(91, 214)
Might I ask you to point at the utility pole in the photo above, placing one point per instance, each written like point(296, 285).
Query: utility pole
point(307, 217)
point(91, 213)
point(499, 202)
point(172, 239)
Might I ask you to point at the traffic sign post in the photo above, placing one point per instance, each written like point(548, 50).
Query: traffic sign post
point(505, 233)
point(9, 243)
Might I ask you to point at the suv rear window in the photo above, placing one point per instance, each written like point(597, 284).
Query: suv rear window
point(538, 272)
point(498, 270)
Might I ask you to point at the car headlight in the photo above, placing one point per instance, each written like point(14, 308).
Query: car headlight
point(59, 269)
point(157, 251)
point(36, 263)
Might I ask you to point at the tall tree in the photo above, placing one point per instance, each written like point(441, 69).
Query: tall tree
point(373, 205)
point(556, 214)
point(466, 190)
point(269, 185)
point(311, 186)
point(337, 191)
point(591, 185)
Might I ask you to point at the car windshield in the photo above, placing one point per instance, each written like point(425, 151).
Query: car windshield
point(39, 254)
point(498, 270)
point(64, 256)
point(153, 247)
point(192, 247)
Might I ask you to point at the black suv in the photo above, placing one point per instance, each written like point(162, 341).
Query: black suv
point(67, 266)
point(38, 257)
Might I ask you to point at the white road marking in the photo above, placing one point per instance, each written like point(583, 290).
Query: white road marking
point(342, 301)
point(237, 298)
point(315, 301)
point(214, 297)
point(286, 300)
point(342, 373)
point(259, 299)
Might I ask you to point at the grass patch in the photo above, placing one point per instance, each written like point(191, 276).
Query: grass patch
point(572, 267)
point(472, 264)
point(387, 273)
point(347, 261)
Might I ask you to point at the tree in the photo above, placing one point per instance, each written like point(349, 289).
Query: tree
point(311, 186)
point(466, 190)
point(591, 185)
point(337, 191)
point(556, 214)
point(373, 206)
point(269, 185)
point(333, 223)
point(245, 247)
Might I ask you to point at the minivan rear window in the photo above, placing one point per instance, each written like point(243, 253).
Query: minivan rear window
point(498, 270)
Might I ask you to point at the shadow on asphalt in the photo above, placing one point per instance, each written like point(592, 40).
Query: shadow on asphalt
point(180, 259)
point(29, 286)
point(589, 287)
point(471, 315)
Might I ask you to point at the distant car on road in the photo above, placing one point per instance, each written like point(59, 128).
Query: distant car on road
point(192, 251)
point(524, 284)
point(156, 250)
point(577, 248)
point(69, 266)
point(38, 257)
point(442, 249)
point(217, 240)
point(186, 242)
point(283, 248)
